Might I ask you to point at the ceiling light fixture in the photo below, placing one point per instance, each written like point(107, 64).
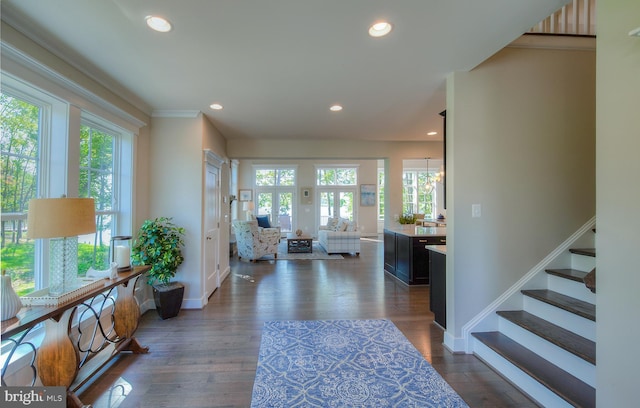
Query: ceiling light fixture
point(335, 108)
point(432, 133)
point(380, 29)
point(215, 106)
point(159, 24)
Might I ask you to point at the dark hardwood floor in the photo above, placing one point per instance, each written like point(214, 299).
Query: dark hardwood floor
point(207, 358)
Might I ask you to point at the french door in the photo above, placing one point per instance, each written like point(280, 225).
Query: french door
point(336, 202)
point(277, 203)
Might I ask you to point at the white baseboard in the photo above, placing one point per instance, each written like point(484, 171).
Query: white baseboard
point(455, 345)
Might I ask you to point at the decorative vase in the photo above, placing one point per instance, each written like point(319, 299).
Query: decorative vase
point(11, 303)
point(298, 232)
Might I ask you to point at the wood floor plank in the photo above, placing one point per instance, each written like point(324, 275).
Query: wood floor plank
point(208, 358)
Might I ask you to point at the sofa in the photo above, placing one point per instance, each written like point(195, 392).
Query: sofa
point(339, 236)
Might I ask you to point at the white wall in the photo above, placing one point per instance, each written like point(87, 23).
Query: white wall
point(618, 203)
point(521, 143)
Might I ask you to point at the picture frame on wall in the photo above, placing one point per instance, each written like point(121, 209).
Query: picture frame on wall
point(367, 195)
point(245, 195)
point(306, 194)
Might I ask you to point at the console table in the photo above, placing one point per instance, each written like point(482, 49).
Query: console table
point(69, 354)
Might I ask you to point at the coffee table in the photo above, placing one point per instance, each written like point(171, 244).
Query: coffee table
point(299, 243)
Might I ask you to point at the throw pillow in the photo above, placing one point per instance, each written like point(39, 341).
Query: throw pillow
point(342, 225)
point(331, 223)
point(351, 226)
point(263, 221)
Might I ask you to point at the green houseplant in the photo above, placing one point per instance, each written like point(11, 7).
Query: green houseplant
point(407, 219)
point(159, 244)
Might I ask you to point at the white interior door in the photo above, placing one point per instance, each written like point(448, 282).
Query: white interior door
point(212, 231)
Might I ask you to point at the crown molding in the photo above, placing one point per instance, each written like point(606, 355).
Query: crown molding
point(174, 113)
point(16, 55)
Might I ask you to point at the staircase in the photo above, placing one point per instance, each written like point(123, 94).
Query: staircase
point(547, 349)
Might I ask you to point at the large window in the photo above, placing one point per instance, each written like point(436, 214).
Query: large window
point(418, 193)
point(20, 141)
point(275, 194)
point(96, 181)
point(337, 176)
point(44, 155)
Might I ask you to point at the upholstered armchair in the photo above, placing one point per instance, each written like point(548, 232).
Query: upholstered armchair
point(253, 242)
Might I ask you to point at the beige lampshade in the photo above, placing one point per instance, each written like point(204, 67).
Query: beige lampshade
point(248, 206)
point(60, 217)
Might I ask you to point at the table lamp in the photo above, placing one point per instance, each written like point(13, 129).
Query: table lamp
point(248, 206)
point(61, 220)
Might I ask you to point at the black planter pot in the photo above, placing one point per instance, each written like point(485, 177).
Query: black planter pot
point(168, 298)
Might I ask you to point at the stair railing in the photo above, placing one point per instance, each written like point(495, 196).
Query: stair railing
point(576, 18)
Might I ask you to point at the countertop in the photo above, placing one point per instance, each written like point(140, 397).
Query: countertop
point(441, 249)
point(414, 231)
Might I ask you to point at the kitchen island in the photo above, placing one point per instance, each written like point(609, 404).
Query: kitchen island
point(405, 255)
point(438, 286)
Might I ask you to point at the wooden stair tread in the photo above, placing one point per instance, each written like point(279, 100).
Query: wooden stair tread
point(561, 337)
point(568, 303)
point(583, 251)
point(571, 274)
point(568, 387)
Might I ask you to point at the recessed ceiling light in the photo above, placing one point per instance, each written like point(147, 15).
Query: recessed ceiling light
point(380, 29)
point(335, 108)
point(432, 133)
point(215, 106)
point(158, 23)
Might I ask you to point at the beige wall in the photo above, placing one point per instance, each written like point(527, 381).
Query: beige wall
point(176, 190)
point(618, 203)
point(521, 144)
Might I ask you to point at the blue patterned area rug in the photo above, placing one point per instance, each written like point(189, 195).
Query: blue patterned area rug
point(345, 363)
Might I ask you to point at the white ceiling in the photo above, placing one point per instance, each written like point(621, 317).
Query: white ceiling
point(277, 65)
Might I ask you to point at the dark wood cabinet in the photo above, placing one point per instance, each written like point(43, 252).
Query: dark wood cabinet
point(404, 264)
point(406, 257)
point(390, 252)
point(438, 289)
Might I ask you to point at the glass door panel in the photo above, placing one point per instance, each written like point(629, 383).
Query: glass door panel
point(278, 205)
point(285, 211)
point(327, 206)
point(336, 202)
point(346, 204)
point(265, 204)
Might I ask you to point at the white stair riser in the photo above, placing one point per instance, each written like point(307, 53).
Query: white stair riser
point(577, 324)
point(543, 396)
point(567, 361)
point(571, 288)
point(582, 262)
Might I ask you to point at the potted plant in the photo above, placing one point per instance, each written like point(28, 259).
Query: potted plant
point(159, 244)
point(407, 219)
